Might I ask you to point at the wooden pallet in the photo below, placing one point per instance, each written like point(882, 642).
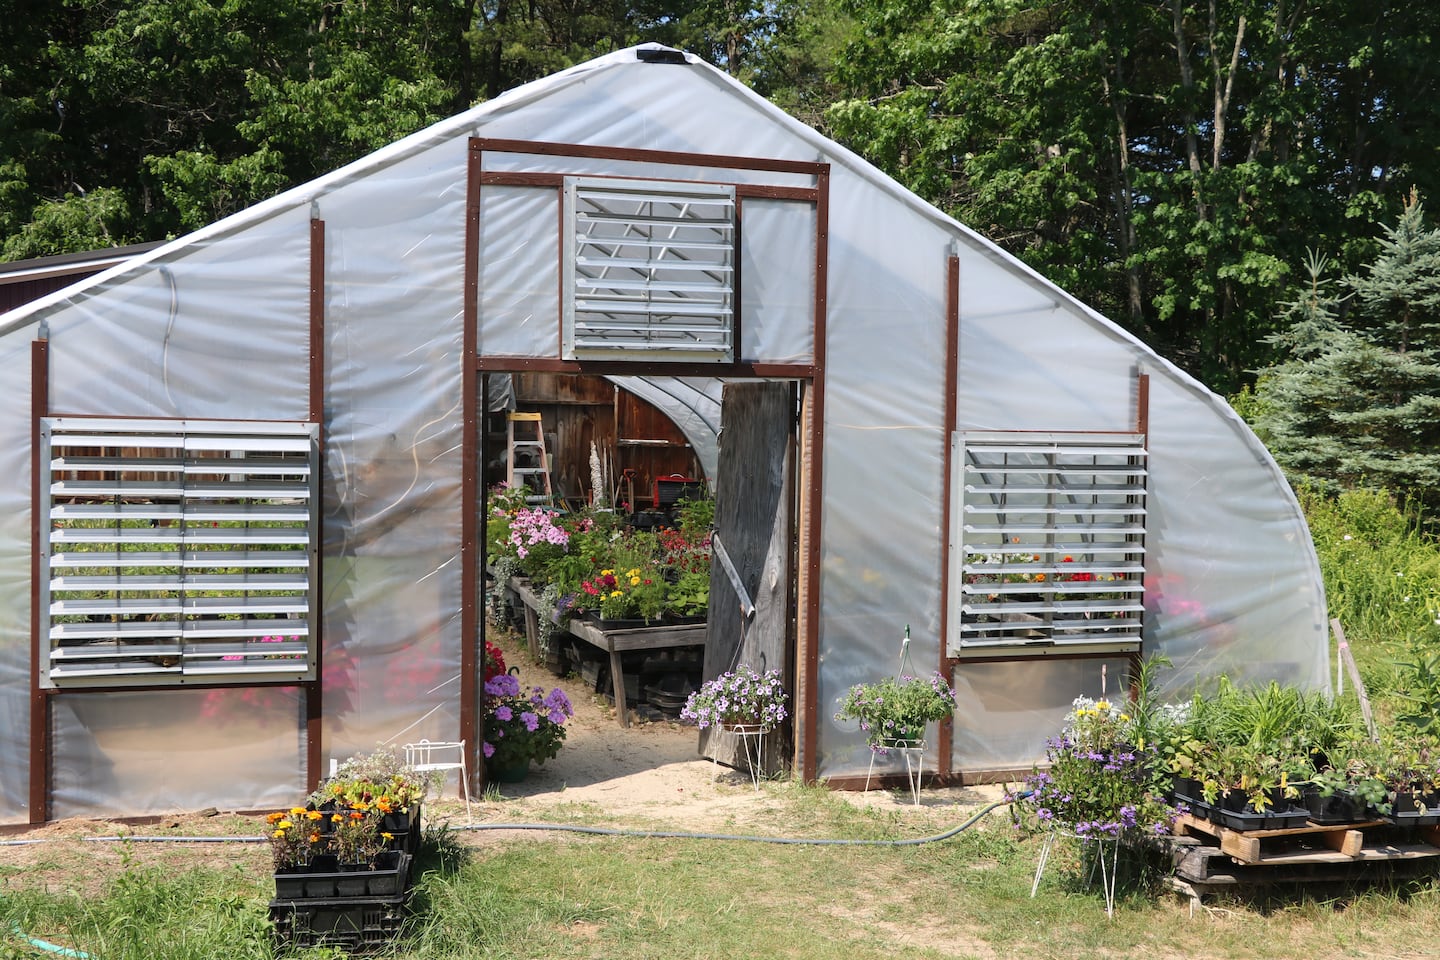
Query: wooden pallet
point(1207, 854)
point(1342, 842)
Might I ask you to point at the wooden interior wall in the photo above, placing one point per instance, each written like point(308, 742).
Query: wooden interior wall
point(577, 410)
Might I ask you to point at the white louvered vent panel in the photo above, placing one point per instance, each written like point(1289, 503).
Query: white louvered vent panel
point(180, 551)
point(1051, 543)
point(650, 270)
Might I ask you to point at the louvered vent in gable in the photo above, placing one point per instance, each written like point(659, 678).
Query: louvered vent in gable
point(649, 270)
point(179, 551)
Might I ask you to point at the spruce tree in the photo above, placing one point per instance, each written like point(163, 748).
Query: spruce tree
point(1357, 402)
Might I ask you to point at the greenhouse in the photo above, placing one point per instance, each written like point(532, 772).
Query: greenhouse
point(244, 471)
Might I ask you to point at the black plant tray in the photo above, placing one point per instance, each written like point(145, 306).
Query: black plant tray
point(1336, 809)
point(345, 884)
point(1286, 819)
point(1416, 819)
point(406, 829)
point(356, 924)
point(1407, 813)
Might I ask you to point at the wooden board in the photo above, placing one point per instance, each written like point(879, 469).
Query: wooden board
point(753, 521)
point(1344, 842)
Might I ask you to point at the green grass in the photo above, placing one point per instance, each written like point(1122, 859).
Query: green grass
point(1382, 582)
point(543, 896)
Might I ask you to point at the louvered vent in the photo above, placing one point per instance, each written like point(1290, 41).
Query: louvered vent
point(180, 551)
point(650, 270)
point(1052, 542)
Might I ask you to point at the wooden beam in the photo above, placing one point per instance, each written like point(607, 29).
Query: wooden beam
point(314, 691)
point(472, 500)
point(946, 746)
point(39, 494)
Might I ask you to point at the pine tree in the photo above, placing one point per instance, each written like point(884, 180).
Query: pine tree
point(1357, 403)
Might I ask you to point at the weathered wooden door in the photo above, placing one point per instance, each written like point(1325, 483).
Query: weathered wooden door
point(753, 521)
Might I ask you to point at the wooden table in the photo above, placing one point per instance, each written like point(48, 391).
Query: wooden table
point(616, 642)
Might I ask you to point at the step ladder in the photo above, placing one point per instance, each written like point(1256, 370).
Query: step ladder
point(526, 459)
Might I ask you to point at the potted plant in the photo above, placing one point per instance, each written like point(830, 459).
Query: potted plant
point(894, 711)
point(738, 698)
point(521, 727)
point(1098, 782)
point(1410, 770)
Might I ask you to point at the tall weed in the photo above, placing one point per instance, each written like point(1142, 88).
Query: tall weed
point(1382, 578)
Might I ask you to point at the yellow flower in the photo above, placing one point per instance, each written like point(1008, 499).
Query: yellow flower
point(386, 835)
point(313, 815)
point(607, 573)
point(617, 593)
point(278, 833)
point(1102, 705)
point(1125, 717)
point(634, 581)
point(297, 811)
point(336, 818)
point(284, 825)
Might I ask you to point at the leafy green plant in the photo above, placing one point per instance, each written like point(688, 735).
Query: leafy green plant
point(689, 596)
point(522, 726)
point(897, 708)
point(1098, 783)
point(1419, 688)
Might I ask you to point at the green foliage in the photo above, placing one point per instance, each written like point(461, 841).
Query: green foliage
point(1382, 575)
point(1165, 163)
point(1358, 401)
point(148, 913)
point(895, 709)
point(74, 222)
point(1419, 687)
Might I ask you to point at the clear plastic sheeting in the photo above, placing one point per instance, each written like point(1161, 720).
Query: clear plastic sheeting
point(241, 748)
point(216, 325)
point(694, 406)
point(15, 522)
point(520, 272)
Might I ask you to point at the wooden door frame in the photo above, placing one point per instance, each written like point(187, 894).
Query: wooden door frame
point(810, 435)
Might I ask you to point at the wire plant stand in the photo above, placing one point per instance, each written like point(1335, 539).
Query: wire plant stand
point(911, 749)
point(752, 742)
point(913, 753)
point(1108, 871)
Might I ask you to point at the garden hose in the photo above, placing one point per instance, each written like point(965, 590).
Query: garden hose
point(46, 945)
point(794, 841)
point(553, 827)
point(601, 831)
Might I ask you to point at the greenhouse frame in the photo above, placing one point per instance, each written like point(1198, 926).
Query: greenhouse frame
point(240, 473)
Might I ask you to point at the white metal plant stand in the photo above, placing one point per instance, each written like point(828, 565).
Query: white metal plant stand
point(913, 752)
point(752, 741)
point(1107, 871)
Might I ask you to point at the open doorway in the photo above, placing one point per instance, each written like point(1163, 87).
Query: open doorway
point(643, 452)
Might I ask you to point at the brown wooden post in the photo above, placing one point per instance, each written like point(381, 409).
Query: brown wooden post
point(753, 524)
point(812, 484)
point(471, 503)
point(40, 767)
point(314, 689)
point(952, 367)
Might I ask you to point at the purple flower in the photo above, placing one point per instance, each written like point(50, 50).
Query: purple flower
point(488, 749)
point(531, 721)
point(503, 712)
